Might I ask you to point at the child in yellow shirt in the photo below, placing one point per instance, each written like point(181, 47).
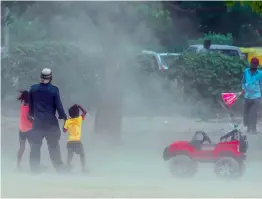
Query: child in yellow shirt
point(73, 126)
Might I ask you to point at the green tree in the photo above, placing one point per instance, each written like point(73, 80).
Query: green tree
point(224, 17)
point(250, 13)
point(255, 6)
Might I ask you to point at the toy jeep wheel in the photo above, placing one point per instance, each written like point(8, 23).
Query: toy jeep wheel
point(182, 166)
point(228, 168)
point(242, 167)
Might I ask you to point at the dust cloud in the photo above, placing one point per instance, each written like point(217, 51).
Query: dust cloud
point(153, 117)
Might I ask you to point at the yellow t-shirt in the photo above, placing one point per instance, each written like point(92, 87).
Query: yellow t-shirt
point(74, 128)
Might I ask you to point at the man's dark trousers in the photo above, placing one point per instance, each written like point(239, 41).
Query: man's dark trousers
point(52, 135)
point(251, 108)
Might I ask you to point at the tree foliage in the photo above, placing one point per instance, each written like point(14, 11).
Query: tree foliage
point(12, 9)
point(22, 30)
point(222, 17)
point(72, 68)
point(242, 20)
point(255, 6)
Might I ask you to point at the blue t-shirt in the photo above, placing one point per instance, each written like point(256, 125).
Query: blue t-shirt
point(252, 84)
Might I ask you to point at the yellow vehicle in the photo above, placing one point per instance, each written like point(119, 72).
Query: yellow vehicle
point(252, 52)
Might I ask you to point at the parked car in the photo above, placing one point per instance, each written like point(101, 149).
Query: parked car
point(154, 61)
point(225, 49)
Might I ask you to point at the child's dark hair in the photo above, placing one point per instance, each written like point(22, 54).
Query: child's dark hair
point(24, 97)
point(74, 111)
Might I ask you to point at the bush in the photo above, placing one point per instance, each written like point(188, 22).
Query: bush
point(204, 77)
point(210, 74)
point(215, 39)
point(74, 70)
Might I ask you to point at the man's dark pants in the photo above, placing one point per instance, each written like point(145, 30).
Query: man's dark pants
point(52, 135)
point(251, 108)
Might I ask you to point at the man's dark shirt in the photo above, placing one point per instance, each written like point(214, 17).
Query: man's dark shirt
point(44, 101)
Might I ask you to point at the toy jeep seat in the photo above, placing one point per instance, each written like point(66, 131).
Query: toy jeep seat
point(200, 140)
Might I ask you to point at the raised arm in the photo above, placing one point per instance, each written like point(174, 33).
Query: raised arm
point(59, 106)
point(84, 112)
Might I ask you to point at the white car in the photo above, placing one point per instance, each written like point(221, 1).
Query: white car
point(225, 49)
point(157, 61)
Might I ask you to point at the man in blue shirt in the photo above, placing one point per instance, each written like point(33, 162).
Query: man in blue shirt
point(251, 85)
point(44, 101)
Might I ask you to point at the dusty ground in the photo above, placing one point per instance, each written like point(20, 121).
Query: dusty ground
point(134, 169)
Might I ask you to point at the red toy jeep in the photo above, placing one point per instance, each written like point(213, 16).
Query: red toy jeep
point(228, 155)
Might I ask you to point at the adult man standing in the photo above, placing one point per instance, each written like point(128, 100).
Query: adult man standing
point(251, 85)
point(44, 101)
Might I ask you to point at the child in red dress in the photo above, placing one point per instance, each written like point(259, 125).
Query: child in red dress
point(25, 126)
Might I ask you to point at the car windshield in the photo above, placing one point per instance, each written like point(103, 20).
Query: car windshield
point(229, 52)
point(167, 60)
